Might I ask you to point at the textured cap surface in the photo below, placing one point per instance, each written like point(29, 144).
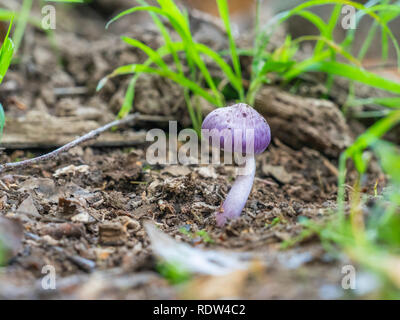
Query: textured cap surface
point(244, 123)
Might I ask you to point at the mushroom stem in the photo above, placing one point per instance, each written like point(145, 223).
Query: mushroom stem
point(237, 196)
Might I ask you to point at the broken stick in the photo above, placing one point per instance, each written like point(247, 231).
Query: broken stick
point(91, 135)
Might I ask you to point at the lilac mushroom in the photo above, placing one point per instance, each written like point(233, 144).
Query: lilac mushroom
point(238, 119)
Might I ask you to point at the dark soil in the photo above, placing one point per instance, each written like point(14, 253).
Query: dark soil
point(84, 214)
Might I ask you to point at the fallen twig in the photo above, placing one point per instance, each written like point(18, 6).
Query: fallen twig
point(91, 135)
point(70, 91)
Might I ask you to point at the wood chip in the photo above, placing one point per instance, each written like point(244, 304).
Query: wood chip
point(112, 234)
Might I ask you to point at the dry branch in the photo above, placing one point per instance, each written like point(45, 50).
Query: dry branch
point(91, 135)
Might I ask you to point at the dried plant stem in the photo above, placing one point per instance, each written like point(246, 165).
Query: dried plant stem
point(91, 135)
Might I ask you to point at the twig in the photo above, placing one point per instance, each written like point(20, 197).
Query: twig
point(91, 135)
point(70, 91)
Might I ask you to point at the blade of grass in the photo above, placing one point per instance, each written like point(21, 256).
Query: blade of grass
point(167, 38)
point(140, 68)
point(179, 24)
point(388, 102)
point(349, 39)
point(328, 32)
point(389, 157)
point(318, 22)
point(6, 53)
point(193, 117)
point(370, 11)
point(370, 136)
point(347, 71)
point(224, 13)
point(21, 23)
point(334, 46)
point(193, 55)
point(153, 55)
point(165, 50)
point(234, 79)
point(2, 121)
point(129, 97)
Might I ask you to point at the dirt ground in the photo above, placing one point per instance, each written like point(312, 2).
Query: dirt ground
point(85, 213)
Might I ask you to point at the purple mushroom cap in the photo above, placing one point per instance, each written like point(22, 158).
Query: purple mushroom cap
point(242, 121)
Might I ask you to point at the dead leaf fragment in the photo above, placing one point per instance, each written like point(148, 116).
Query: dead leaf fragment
point(71, 170)
point(207, 172)
point(193, 260)
point(176, 171)
point(112, 234)
point(278, 172)
point(28, 208)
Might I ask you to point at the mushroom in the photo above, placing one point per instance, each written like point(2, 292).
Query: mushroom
point(250, 135)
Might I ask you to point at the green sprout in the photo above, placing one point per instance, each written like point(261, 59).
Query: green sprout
point(6, 54)
point(274, 222)
point(203, 234)
point(173, 272)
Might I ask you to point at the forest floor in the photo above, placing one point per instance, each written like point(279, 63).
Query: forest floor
point(85, 213)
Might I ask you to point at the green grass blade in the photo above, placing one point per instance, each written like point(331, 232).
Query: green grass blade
point(172, 9)
point(370, 136)
point(195, 121)
point(127, 104)
point(385, 45)
point(202, 48)
point(129, 97)
point(193, 55)
point(334, 46)
point(388, 102)
point(141, 8)
point(349, 39)
point(269, 66)
point(328, 32)
point(368, 40)
point(224, 13)
point(389, 158)
point(386, 16)
point(153, 55)
point(2, 121)
point(167, 38)
point(21, 23)
point(350, 72)
point(6, 15)
point(6, 54)
point(140, 68)
point(232, 77)
point(316, 20)
point(370, 11)
point(182, 30)
point(67, 1)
